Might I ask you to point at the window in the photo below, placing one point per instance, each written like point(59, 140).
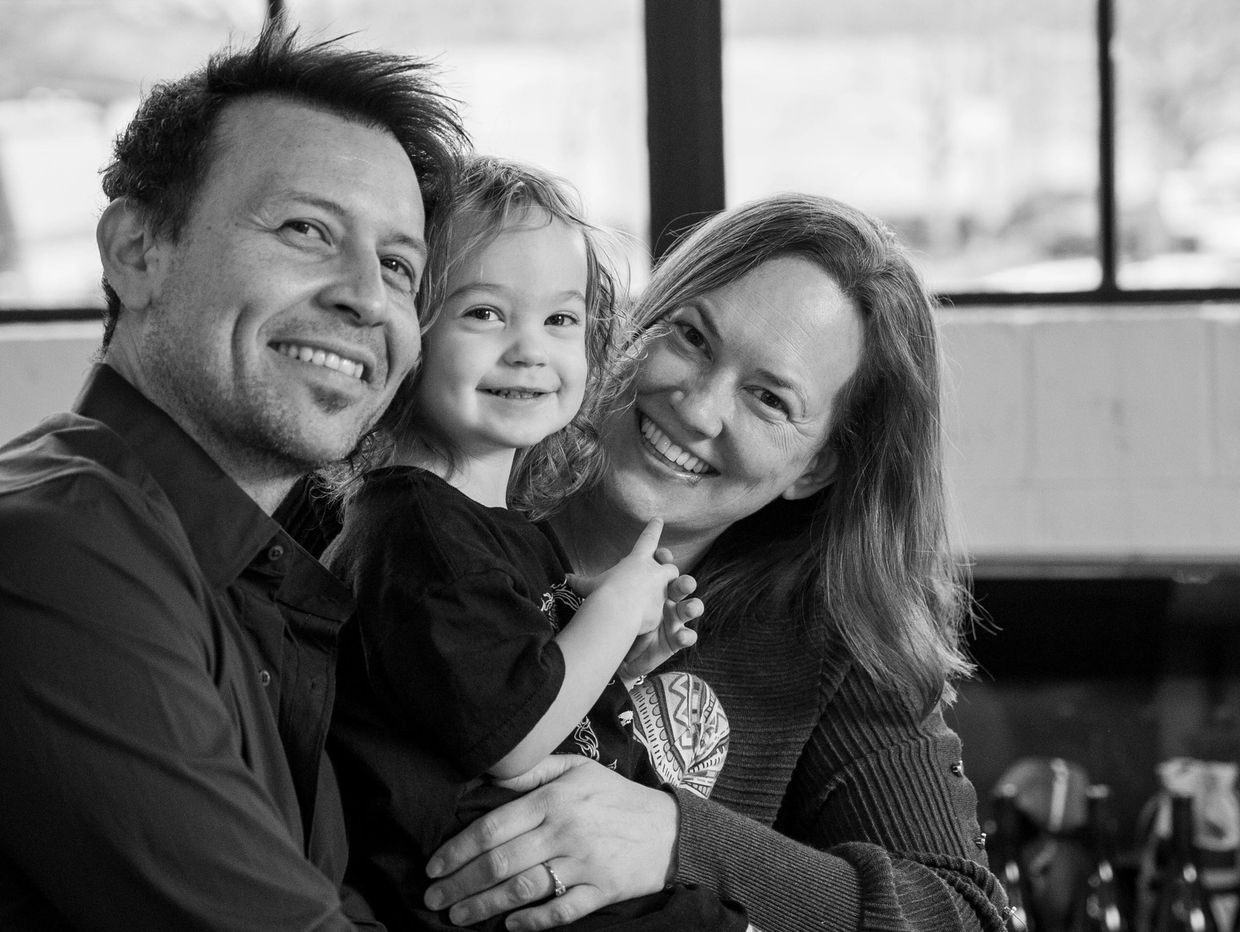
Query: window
point(1021, 162)
point(557, 83)
point(71, 72)
point(1019, 159)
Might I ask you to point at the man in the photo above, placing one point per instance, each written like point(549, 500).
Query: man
point(166, 649)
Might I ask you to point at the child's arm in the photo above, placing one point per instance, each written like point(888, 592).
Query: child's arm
point(654, 647)
point(620, 604)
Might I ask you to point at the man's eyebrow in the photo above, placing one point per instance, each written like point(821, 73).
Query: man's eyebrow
point(415, 244)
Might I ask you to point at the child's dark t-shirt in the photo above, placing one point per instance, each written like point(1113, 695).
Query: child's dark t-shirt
point(450, 663)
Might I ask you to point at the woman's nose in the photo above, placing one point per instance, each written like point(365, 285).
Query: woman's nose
point(703, 406)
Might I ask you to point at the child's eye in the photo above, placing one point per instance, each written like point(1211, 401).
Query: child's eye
point(563, 319)
point(482, 313)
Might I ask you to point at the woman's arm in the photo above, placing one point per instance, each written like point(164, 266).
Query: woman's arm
point(884, 798)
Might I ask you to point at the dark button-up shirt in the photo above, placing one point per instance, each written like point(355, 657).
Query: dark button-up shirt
point(166, 681)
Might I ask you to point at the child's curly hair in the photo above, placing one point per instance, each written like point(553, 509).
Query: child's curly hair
point(488, 196)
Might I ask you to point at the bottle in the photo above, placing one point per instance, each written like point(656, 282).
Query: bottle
point(1008, 863)
point(1100, 909)
point(1181, 904)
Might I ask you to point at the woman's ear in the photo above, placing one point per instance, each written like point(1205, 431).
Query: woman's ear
point(129, 250)
point(817, 477)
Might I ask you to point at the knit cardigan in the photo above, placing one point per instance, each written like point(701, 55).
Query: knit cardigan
point(841, 806)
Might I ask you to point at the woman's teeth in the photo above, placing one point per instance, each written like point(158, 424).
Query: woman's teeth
point(318, 357)
point(677, 456)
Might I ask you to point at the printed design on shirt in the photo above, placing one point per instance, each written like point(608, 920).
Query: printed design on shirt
point(682, 724)
point(559, 604)
point(585, 739)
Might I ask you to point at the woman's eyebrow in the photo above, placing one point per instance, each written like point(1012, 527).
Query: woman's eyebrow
point(707, 317)
point(779, 381)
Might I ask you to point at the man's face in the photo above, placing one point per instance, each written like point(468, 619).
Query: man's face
point(283, 319)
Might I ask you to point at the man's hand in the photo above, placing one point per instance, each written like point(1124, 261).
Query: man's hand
point(608, 839)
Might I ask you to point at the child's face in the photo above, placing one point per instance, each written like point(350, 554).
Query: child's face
point(504, 364)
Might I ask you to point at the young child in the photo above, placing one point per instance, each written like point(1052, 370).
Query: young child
point(476, 653)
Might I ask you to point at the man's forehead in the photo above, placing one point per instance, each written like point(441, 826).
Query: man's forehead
point(275, 149)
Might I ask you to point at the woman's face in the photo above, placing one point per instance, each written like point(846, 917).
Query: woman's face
point(733, 406)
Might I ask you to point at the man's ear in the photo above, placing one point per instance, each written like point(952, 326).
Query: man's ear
point(817, 477)
point(133, 262)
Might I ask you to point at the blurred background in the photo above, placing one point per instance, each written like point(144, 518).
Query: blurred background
point(970, 126)
point(1067, 173)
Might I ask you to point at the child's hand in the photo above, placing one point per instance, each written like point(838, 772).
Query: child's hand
point(650, 650)
point(639, 582)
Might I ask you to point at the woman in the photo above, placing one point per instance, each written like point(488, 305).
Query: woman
point(785, 425)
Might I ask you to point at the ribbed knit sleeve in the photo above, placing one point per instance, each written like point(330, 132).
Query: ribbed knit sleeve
point(876, 824)
point(783, 885)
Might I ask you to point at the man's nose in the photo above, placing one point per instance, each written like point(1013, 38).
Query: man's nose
point(358, 288)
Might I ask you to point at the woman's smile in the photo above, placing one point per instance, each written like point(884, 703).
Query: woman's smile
point(666, 450)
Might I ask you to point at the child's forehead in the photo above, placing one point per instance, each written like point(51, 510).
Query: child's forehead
point(538, 256)
point(478, 227)
point(475, 237)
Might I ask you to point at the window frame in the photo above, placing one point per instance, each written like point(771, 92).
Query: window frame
point(684, 127)
point(685, 136)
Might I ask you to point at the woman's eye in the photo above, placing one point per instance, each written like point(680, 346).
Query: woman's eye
point(690, 334)
point(562, 320)
point(771, 400)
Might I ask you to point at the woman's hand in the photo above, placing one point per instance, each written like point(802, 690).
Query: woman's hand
point(608, 839)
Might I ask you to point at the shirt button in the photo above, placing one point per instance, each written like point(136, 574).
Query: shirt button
point(980, 840)
point(958, 768)
point(264, 677)
point(275, 552)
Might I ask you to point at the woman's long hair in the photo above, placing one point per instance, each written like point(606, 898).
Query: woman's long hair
point(869, 555)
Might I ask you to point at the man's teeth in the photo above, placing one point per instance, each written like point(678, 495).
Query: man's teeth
point(319, 357)
point(678, 456)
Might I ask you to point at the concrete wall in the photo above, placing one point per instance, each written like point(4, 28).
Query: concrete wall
point(1108, 433)
point(1075, 434)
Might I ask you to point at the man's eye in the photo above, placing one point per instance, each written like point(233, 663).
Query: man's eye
point(403, 271)
point(305, 228)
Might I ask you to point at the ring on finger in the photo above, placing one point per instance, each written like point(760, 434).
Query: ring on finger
point(557, 885)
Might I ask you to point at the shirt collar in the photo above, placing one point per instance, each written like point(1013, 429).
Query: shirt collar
point(225, 527)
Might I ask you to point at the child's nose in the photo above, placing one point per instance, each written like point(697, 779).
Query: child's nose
point(526, 349)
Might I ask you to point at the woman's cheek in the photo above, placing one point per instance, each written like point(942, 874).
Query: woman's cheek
point(662, 370)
